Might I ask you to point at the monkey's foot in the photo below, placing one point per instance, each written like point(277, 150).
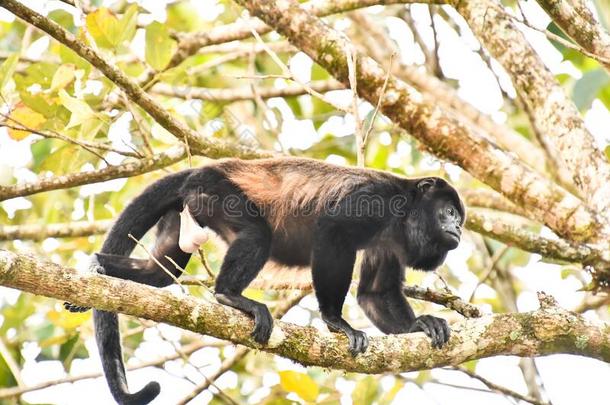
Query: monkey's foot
point(358, 341)
point(94, 266)
point(435, 328)
point(75, 308)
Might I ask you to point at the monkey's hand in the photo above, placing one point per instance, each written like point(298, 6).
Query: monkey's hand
point(94, 266)
point(435, 328)
point(358, 341)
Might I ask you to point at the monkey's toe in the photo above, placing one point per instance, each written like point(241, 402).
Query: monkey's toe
point(435, 328)
point(75, 308)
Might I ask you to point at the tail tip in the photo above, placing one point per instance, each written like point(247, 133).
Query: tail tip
point(144, 396)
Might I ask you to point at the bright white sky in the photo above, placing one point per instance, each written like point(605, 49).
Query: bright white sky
point(568, 379)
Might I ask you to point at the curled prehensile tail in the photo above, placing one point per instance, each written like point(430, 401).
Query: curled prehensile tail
point(139, 216)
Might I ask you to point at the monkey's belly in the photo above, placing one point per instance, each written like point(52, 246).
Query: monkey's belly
point(292, 249)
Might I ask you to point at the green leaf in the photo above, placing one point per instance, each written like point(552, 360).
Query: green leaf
point(388, 397)
point(366, 391)
point(182, 16)
point(299, 383)
point(7, 69)
point(159, 46)
point(127, 24)
point(80, 110)
point(587, 87)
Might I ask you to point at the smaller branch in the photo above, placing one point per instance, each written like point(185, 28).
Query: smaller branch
point(444, 298)
point(383, 89)
point(511, 230)
point(167, 158)
point(353, 83)
point(17, 391)
point(38, 232)
point(87, 145)
point(243, 93)
point(487, 198)
point(592, 302)
point(436, 62)
point(158, 263)
point(288, 74)
point(499, 388)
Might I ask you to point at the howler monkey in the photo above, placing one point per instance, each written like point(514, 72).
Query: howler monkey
point(296, 212)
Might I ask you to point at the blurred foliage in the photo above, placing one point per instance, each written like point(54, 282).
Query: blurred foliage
point(56, 92)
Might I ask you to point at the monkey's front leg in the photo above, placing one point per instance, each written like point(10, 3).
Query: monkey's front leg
point(332, 267)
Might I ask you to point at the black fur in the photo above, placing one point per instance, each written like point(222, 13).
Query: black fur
point(398, 222)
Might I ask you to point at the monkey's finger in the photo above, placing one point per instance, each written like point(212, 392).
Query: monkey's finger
point(446, 331)
point(427, 329)
point(364, 343)
point(440, 333)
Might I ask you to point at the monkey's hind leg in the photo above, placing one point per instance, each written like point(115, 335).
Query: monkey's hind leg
point(244, 259)
point(146, 271)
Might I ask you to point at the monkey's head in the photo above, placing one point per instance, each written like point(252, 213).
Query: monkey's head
point(434, 223)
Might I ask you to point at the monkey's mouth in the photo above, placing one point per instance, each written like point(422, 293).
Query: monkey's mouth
point(454, 234)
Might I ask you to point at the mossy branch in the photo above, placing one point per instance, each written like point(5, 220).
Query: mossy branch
point(548, 330)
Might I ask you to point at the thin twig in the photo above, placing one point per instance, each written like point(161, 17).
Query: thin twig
point(383, 89)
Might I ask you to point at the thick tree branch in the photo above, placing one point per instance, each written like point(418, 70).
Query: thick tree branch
point(577, 21)
point(552, 111)
point(380, 46)
point(546, 331)
point(66, 230)
point(206, 146)
point(438, 131)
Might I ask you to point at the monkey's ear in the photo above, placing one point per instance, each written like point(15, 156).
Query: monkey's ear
point(425, 184)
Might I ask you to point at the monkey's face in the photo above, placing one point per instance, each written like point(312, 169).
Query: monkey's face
point(448, 224)
point(434, 225)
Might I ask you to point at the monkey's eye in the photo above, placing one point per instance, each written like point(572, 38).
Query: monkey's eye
point(450, 211)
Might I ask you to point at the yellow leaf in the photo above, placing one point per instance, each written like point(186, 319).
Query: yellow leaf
point(25, 116)
point(67, 320)
point(103, 27)
point(62, 77)
point(299, 383)
point(80, 110)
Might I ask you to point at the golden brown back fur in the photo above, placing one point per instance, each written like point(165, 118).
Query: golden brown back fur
point(291, 186)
